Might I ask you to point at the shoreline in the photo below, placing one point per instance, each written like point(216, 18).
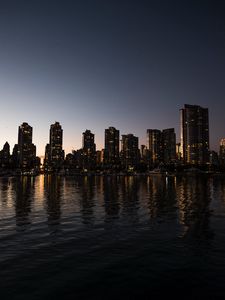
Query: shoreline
point(123, 174)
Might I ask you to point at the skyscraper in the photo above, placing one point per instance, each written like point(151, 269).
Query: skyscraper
point(54, 154)
point(88, 142)
point(161, 146)
point(5, 156)
point(111, 153)
point(168, 145)
point(26, 149)
point(154, 146)
point(194, 131)
point(89, 150)
point(130, 153)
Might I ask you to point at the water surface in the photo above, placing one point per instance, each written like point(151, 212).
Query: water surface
point(112, 237)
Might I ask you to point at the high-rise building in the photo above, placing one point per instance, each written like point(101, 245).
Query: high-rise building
point(161, 146)
point(222, 152)
point(194, 133)
point(54, 154)
point(26, 149)
point(154, 145)
point(168, 145)
point(88, 143)
point(130, 153)
point(89, 150)
point(111, 153)
point(5, 156)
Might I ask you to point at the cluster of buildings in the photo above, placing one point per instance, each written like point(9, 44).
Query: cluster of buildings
point(23, 155)
point(121, 153)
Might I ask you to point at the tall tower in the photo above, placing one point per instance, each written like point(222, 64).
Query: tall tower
point(112, 139)
point(5, 156)
point(194, 134)
point(168, 145)
point(88, 142)
point(26, 149)
point(89, 150)
point(154, 137)
point(130, 153)
point(54, 154)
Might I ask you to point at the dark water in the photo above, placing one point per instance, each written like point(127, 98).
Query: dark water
point(112, 237)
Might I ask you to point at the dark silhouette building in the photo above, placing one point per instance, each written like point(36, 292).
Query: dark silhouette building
point(194, 124)
point(161, 146)
point(154, 145)
point(15, 157)
point(144, 154)
point(168, 145)
point(130, 154)
point(47, 160)
point(26, 149)
point(111, 152)
point(54, 154)
point(89, 150)
point(99, 158)
point(5, 156)
point(70, 163)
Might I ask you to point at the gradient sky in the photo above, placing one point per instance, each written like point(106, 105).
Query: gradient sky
point(94, 64)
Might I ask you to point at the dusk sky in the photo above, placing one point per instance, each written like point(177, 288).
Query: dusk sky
point(94, 64)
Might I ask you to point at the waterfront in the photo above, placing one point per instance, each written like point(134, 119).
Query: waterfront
point(103, 237)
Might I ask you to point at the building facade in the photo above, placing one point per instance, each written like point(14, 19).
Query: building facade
point(161, 146)
point(54, 154)
point(154, 145)
point(130, 154)
point(89, 150)
point(5, 156)
point(111, 152)
point(168, 145)
point(26, 149)
point(194, 134)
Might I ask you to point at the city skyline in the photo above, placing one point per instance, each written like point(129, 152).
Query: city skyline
point(121, 152)
point(142, 140)
point(92, 64)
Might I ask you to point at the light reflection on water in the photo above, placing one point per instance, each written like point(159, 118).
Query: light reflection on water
point(135, 230)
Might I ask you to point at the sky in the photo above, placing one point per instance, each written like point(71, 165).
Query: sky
point(91, 64)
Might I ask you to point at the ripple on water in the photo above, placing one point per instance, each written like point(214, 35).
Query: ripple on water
point(117, 235)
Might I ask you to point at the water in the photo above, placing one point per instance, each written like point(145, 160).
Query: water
point(112, 237)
